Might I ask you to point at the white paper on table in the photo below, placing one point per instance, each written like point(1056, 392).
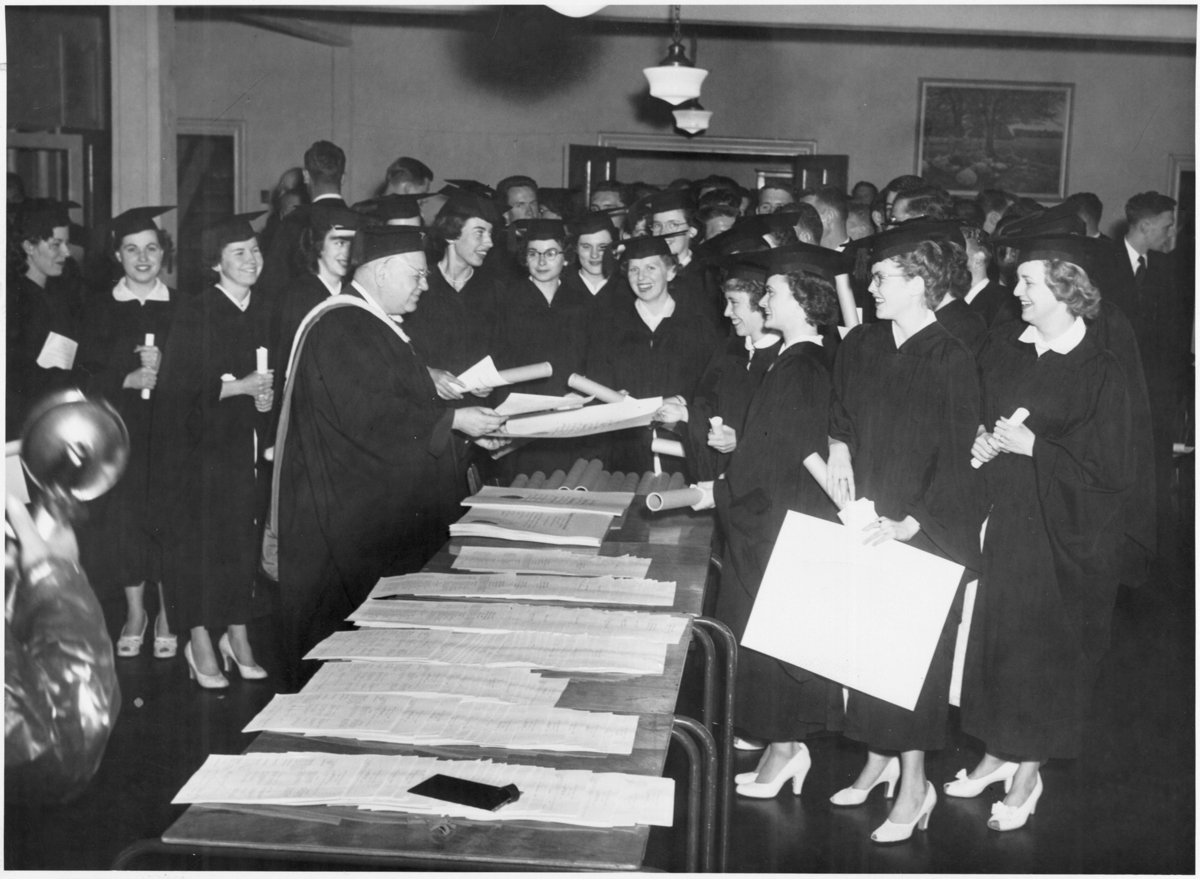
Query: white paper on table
point(867, 617)
point(57, 352)
point(517, 686)
point(585, 590)
point(14, 478)
point(858, 514)
point(524, 404)
point(560, 526)
point(548, 561)
point(614, 503)
point(482, 376)
point(590, 420)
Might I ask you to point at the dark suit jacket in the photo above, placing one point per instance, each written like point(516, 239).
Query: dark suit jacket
point(1155, 313)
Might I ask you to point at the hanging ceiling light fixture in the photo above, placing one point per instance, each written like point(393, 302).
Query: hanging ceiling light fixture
point(691, 117)
point(676, 79)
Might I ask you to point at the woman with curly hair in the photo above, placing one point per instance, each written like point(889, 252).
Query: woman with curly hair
point(124, 334)
point(1055, 486)
point(902, 420)
point(787, 420)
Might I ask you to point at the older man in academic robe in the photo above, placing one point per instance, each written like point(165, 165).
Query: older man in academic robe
point(366, 449)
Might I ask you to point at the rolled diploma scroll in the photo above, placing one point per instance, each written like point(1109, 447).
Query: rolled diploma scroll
point(658, 501)
point(589, 388)
point(587, 482)
point(644, 485)
point(555, 480)
point(261, 354)
point(631, 483)
point(526, 373)
point(574, 475)
point(149, 344)
point(676, 481)
point(1018, 417)
point(521, 481)
point(674, 448)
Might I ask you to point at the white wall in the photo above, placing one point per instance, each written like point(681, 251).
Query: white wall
point(405, 89)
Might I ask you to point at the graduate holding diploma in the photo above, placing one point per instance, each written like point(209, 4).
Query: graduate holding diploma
point(125, 331)
point(1055, 486)
point(787, 420)
point(905, 394)
point(210, 420)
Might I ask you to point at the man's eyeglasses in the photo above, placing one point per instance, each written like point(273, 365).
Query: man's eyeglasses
point(879, 277)
point(539, 256)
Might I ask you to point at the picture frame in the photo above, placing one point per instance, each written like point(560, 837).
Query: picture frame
point(989, 134)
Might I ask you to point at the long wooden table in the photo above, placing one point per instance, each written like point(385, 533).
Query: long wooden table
point(678, 545)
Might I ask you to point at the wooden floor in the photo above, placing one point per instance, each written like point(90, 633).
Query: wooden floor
point(1126, 806)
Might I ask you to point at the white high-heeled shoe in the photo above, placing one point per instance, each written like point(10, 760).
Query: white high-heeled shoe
point(964, 786)
point(741, 744)
point(1011, 817)
point(795, 769)
point(248, 672)
point(208, 682)
point(890, 831)
point(852, 796)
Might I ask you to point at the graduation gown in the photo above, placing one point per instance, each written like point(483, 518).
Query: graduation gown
point(203, 460)
point(115, 545)
point(615, 289)
point(531, 330)
point(624, 354)
point(787, 420)
point(994, 302)
point(453, 329)
point(367, 477)
point(1050, 574)
point(724, 390)
point(909, 416)
point(699, 283)
point(964, 324)
point(33, 313)
point(282, 262)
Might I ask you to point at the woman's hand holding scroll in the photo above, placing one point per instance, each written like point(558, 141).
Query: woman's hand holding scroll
point(1013, 436)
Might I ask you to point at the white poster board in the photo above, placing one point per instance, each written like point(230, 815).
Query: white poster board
point(867, 617)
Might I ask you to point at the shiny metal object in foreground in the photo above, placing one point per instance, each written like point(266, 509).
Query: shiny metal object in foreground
point(74, 446)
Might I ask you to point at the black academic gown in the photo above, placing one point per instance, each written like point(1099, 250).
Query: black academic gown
point(909, 416)
point(203, 460)
point(964, 323)
point(787, 420)
point(1050, 573)
point(725, 389)
point(994, 302)
point(615, 289)
point(1114, 333)
point(699, 283)
point(282, 263)
point(115, 545)
point(531, 330)
point(454, 329)
point(367, 478)
point(624, 354)
point(33, 313)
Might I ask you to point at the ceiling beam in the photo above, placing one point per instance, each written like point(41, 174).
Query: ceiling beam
point(325, 33)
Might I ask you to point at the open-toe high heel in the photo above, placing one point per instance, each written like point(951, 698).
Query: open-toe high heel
point(890, 831)
point(131, 645)
point(965, 786)
point(1011, 817)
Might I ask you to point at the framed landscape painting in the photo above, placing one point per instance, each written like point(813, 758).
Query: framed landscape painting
point(974, 135)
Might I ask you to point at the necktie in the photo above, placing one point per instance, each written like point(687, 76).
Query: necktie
point(1139, 276)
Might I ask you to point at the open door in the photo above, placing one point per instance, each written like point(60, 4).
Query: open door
point(809, 172)
point(589, 165)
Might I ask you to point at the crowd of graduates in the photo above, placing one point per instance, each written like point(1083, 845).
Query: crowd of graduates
point(893, 331)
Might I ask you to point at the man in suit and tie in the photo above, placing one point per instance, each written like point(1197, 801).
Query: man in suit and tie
point(1143, 285)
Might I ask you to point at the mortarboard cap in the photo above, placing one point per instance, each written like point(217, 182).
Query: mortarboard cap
point(136, 220)
point(393, 206)
point(645, 246)
point(593, 222)
point(540, 230)
point(668, 200)
point(226, 231)
point(1093, 255)
point(415, 167)
point(39, 217)
point(739, 268)
point(471, 205)
point(744, 236)
point(377, 242)
point(324, 216)
point(473, 186)
point(801, 257)
point(904, 238)
point(1061, 219)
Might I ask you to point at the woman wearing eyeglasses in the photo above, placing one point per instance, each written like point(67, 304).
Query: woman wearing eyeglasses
point(542, 319)
point(905, 394)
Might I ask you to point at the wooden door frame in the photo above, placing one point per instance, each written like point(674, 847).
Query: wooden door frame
point(235, 128)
